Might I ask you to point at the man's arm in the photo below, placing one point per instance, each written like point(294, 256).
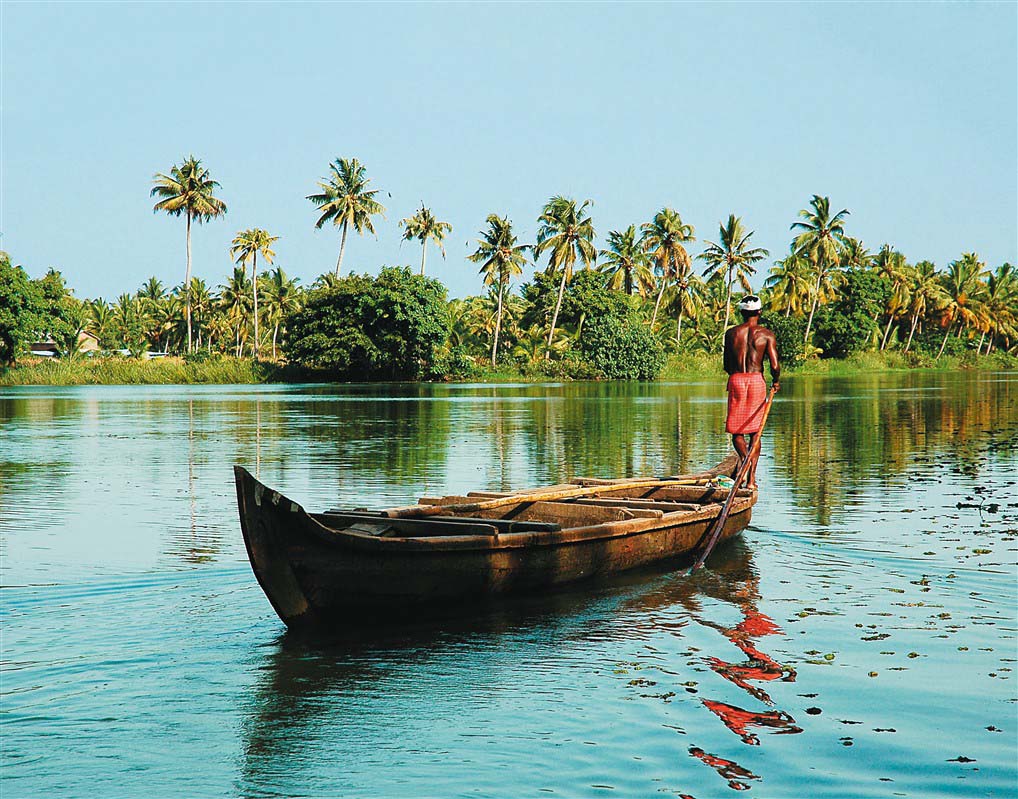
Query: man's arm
point(772, 355)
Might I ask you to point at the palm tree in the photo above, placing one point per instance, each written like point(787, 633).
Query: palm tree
point(422, 226)
point(963, 284)
point(890, 265)
point(689, 300)
point(568, 232)
point(663, 238)
point(188, 190)
point(282, 297)
point(500, 258)
point(854, 254)
point(732, 256)
point(788, 284)
point(152, 289)
point(100, 321)
point(346, 200)
point(204, 308)
point(1000, 304)
point(234, 301)
point(626, 263)
point(820, 240)
point(925, 294)
point(247, 245)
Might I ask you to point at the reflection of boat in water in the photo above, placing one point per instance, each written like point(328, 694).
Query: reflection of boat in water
point(347, 566)
point(349, 692)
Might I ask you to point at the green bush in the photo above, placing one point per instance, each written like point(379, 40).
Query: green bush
point(621, 348)
point(362, 327)
point(839, 334)
point(789, 332)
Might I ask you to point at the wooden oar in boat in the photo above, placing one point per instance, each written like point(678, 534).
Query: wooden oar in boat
point(413, 511)
point(719, 523)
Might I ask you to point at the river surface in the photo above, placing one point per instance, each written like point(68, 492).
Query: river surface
point(858, 641)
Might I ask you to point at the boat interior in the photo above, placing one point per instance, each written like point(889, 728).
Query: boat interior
point(609, 501)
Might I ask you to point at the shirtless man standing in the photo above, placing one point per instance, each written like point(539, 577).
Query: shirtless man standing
point(746, 345)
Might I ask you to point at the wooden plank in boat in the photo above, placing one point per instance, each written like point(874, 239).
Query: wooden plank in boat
point(430, 522)
point(568, 514)
point(373, 524)
point(645, 504)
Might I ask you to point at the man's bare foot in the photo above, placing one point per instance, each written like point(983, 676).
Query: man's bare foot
point(751, 486)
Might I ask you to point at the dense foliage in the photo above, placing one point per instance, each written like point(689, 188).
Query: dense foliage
point(622, 348)
point(581, 312)
point(361, 327)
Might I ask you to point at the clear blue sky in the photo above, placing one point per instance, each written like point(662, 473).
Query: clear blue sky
point(906, 114)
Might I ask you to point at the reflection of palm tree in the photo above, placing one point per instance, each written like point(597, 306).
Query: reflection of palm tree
point(422, 226)
point(188, 190)
point(568, 232)
point(663, 238)
point(820, 239)
point(733, 257)
point(345, 200)
point(501, 258)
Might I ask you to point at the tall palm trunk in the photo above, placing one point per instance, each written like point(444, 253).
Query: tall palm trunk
point(813, 307)
point(342, 247)
point(275, 332)
point(728, 304)
point(554, 317)
point(678, 331)
point(915, 320)
point(944, 342)
point(424, 253)
point(982, 337)
point(187, 283)
point(498, 326)
point(887, 331)
point(657, 303)
point(629, 280)
point(254, 284)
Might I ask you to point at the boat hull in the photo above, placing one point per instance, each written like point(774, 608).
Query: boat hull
point(314, 573)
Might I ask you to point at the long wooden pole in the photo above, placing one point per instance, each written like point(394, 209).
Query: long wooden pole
point(413, 511)
point(719, 524)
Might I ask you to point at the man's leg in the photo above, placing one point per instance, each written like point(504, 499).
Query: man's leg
point(739, 442)
point(751, 480)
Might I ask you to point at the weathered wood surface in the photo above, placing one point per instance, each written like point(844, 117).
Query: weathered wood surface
point(327, 568)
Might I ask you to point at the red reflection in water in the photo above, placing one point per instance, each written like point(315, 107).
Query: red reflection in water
point(738, 720)
point(759, 666)
point(728, 769)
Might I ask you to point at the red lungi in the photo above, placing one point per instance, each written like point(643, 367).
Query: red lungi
point(747, 393)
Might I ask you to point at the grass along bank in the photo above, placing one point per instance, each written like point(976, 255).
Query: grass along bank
point(129, 371)
point(227, 370)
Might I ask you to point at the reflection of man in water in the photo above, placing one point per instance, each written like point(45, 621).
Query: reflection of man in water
point(746, 346)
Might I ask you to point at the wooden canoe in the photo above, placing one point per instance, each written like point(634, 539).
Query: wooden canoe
point(343, 566)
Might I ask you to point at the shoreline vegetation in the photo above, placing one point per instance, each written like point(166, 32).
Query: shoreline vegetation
point(633, 304)
point(229, 370)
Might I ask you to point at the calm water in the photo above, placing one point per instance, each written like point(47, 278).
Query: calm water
point(858, 642)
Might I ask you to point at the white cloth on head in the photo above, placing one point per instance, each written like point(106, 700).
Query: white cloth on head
point(750, 303)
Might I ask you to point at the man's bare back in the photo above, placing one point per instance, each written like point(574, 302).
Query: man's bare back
point(747, 345)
